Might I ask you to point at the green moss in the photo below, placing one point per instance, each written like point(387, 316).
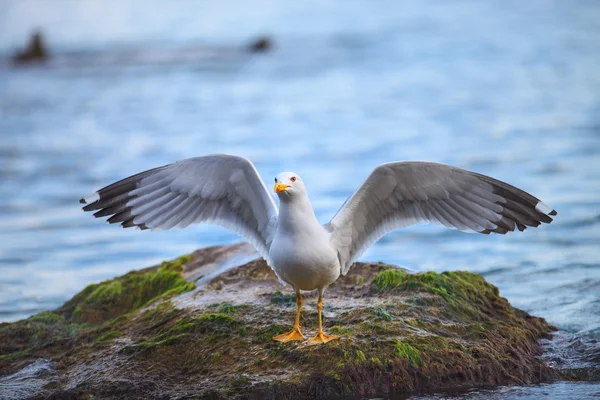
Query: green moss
point(106, 293)
point(273, 330)
point(335, 375)
point(241, 380)
point(360, 356)
point(428, 344)
point(377, 361)
point(47, 317)
point(15, 355)
point(339, 330)
point(170, 340)
point(159, 340)
point(23, 338)
point(70, 330)
point(462, 290)
point(108, 337)
point(158, 314)
point(217, 317)
point(370, 327)
point(144, 345)
point(405, 350)
point(390, 279)
point(189, 326)
point(109, 299)
point(97, 313)
point(280, 298)
point(228, 308)
point(382, 314)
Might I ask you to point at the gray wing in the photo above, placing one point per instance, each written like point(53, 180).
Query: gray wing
point(220, 189)
point(400, 194)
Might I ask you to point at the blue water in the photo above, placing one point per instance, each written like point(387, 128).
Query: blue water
point(555, 391)
point(505, 88)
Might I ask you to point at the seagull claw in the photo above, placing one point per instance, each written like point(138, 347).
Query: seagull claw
point(294, 334)
point(322, 338)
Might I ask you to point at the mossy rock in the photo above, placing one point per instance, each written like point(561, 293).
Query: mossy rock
point(109, 299)
point(400, 333)
point(91, 316)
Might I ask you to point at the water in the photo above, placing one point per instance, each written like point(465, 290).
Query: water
point(509, 89)
point(559, 391)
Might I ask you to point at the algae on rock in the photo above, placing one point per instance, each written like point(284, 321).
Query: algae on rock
point(101, 301)
point(92, 314)
point(400, 332)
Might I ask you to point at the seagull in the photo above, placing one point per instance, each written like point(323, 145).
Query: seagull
point(227, 191)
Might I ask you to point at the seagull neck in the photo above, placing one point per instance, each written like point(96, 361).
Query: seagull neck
point(297, 214)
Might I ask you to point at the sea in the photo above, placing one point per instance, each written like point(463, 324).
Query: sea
point(506, 88)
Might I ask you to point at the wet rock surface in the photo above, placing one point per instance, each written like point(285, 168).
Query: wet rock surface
point(35, 380)
point(154, 333)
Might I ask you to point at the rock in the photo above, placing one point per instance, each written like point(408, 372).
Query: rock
point(34, 52)
point(147, 334)
point(261, 45)
point(33, 381)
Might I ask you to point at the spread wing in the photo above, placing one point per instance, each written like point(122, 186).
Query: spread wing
point(220, 189)
point(400, 194)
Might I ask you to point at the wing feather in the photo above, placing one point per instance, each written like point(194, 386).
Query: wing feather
point(401, 194)
point(220, 189)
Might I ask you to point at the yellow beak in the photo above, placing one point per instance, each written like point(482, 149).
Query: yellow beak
point(280, 187)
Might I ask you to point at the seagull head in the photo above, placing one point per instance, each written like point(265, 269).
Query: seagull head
point(288, 184)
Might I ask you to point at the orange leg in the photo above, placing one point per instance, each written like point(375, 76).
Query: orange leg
point(295, 333)
point(321, 337)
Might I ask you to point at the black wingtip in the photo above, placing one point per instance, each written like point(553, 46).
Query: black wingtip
point(90, 207)
point(82, 201)
point(553, 212)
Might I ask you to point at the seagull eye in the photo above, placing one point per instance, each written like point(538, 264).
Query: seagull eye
point(293, 179)
point(275, 180)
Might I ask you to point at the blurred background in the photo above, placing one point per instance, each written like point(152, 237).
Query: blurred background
point(330, 90)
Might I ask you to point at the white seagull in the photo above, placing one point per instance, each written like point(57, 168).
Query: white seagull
point(227, 191)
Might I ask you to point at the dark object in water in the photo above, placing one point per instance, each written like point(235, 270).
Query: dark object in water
point(34, 52)
point(261, 45)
